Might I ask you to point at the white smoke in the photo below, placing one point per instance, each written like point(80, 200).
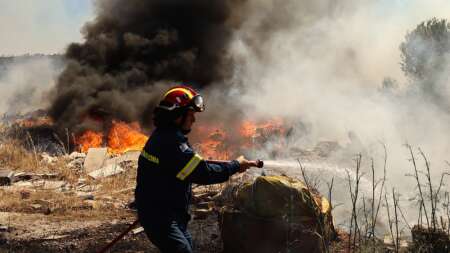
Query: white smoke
point(326, 69)
point(25, 83)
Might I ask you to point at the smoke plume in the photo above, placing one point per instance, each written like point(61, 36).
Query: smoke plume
point(135, 49)
point(25, 81)
point(334, 66)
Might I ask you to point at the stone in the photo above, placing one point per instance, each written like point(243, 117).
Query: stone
point(138, 230)
point(6, 177)
point(205, 205)
point(245, 233)
point(47, 175)
point(95, 159)
point(81, 181)
point(48, 158)
point(77, 155)
point(66, 188)
point(41, 208)
point(75, 164)
point(55, 237)
point(85, 196)
point(87, 188)
point(202, 197)
point(106, 171)
point(24, 184)
point(201, 214)
point(50, 185)
point(255, 221)
point(129, 156)
point(36, 206)
point(22, 176)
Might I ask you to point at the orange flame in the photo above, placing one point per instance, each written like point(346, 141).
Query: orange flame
point(218, 143)
point(124, 137)
point(252, 131)
point(89, 139)
point(212, 142)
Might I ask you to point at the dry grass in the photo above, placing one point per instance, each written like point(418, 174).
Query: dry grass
point(61, 168)
point(119, 182)
point(109, 198)
point(13, 155)
point(23, 201)
point(16, 157)
point(57, 204)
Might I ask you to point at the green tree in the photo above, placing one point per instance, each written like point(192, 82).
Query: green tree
point(425, 60)
point(426, 50)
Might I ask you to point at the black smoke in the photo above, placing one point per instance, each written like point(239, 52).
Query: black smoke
point(134, 49)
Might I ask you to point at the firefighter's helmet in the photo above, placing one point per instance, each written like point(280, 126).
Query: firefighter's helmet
point(180, 97)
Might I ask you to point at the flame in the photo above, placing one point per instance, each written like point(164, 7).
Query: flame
point(124, 137)
point(247, 129)
point(261, 131)
point(213, 143)
point(219, 142)
point(210, 141)
point(89, 139)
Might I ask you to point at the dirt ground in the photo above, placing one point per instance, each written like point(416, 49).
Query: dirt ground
point(42, 233)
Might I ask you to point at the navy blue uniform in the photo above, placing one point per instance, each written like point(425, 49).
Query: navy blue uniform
point(167, 168)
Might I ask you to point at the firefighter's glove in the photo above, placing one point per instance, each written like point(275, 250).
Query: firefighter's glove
point(244, 164)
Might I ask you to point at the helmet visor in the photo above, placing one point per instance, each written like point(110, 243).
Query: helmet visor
point(198, 104)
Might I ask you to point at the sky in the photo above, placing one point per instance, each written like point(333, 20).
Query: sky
point(41, 26)
point(48, 26)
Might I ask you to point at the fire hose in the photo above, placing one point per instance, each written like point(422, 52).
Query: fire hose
point(256, 163)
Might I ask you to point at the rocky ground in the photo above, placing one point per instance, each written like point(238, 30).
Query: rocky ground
point(79, 202)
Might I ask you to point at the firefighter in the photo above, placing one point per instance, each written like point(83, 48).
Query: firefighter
point(168, 166)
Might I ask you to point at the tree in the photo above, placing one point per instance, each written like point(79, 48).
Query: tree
point(426, 49)
point(425, 60)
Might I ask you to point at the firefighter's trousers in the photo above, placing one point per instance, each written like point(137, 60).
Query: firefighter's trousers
point(171, 237)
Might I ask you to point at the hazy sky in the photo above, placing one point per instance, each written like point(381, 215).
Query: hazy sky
point(41, 26)
point(47, 26)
